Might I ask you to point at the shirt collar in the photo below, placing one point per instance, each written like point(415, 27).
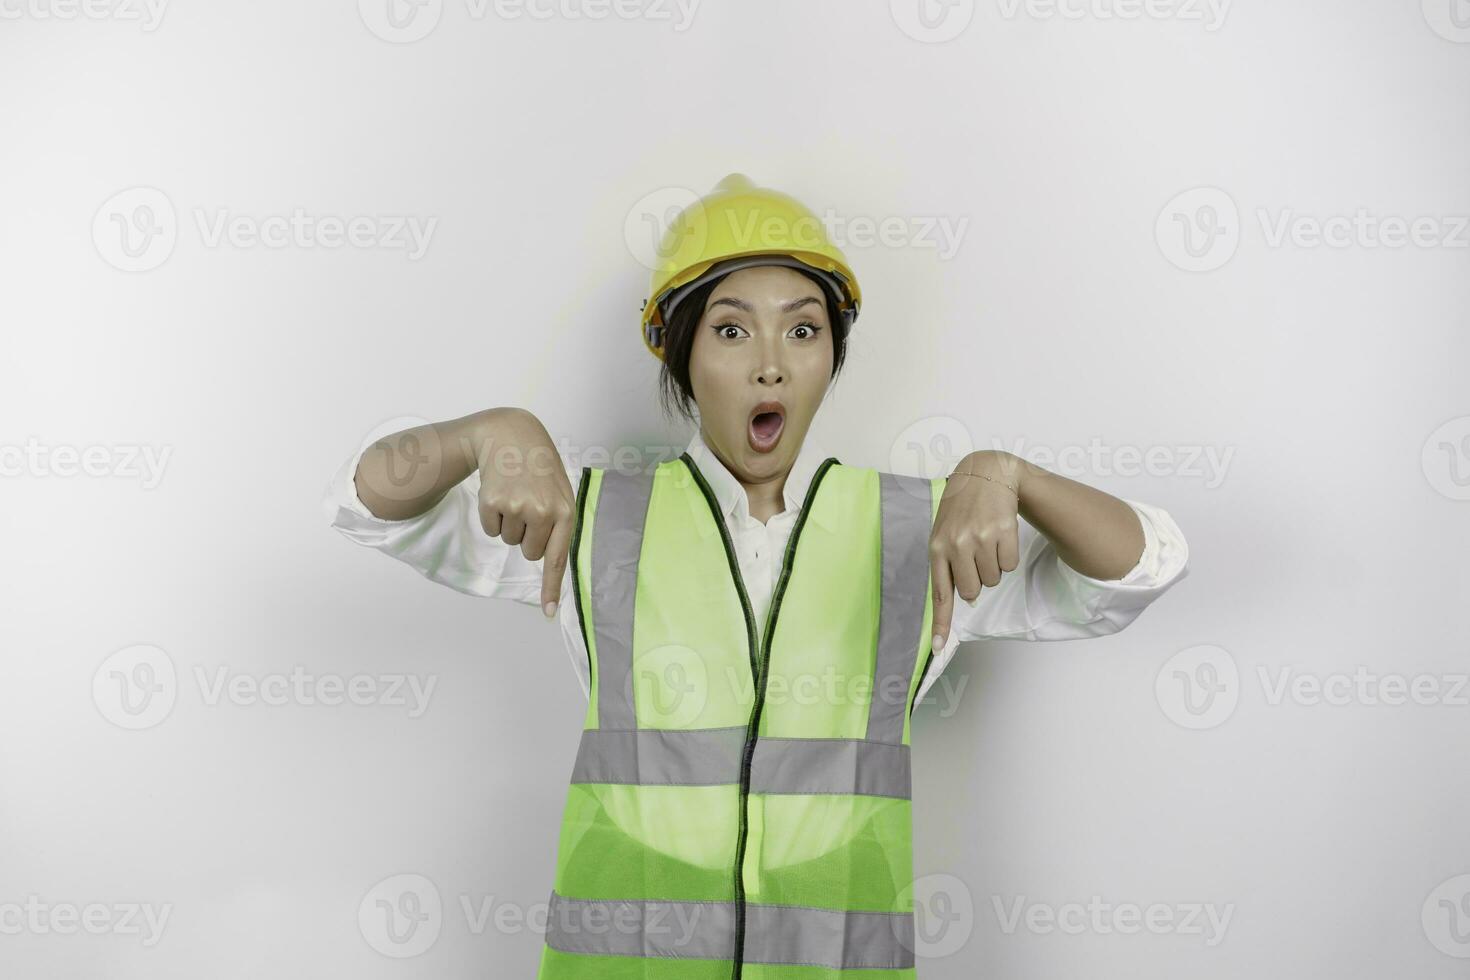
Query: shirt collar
point(731, 495)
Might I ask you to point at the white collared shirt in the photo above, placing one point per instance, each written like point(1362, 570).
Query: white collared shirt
point(1043, 598)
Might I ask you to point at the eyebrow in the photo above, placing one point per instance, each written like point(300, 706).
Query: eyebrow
point(741, 304)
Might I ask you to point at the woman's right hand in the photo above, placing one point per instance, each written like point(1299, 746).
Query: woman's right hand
point(525, 496)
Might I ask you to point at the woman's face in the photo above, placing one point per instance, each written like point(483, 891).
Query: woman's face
point(760, 366)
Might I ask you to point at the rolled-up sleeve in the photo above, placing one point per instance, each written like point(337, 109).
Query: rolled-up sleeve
point(1096, 607)
point(445, 544)
point(1044, 598)
point(1047, 599)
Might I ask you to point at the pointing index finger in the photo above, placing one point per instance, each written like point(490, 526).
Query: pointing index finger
point(943, 584)
point(554, 565)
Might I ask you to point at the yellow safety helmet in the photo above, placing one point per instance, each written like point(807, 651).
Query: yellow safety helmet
point(735, 226)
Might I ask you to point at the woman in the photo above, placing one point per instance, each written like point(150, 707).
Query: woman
point(752, 622)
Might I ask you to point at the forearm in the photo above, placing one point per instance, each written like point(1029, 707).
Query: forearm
point(1094, 532)
point(405, 474)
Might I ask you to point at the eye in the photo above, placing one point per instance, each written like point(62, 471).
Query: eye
point(811, 330)
point(720, 329)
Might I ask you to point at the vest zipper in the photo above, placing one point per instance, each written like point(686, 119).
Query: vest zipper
point(573, 550)
point(759, 665)
point(922, 671)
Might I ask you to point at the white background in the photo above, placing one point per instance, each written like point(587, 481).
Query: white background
point(1327, 380)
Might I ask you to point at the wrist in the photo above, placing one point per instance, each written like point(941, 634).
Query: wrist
point(512, 441)
point(996, 465)
point(471, 434)
point(479, 434)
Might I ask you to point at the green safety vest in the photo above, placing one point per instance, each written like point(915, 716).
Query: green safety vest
point(740, 801)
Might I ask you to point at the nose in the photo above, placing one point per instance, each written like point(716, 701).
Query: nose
point(768, 369)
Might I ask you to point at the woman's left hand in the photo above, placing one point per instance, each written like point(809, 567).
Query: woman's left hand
point(975, 536)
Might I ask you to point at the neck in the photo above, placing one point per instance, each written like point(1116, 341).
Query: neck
point(766, 497)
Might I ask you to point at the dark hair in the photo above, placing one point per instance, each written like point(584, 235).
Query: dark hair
point(676, 392)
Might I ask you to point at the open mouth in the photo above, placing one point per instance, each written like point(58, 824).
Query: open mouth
point(763, 430)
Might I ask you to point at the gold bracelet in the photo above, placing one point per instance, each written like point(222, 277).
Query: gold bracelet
point(982, 476)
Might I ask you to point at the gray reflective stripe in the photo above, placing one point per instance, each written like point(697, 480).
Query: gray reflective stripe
point(907, 517)
point(774, 934)
point(712, 757)
point(820, 937)
point(617, 540)
point(652, 757)
point(831, 765)
point(685, 930)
